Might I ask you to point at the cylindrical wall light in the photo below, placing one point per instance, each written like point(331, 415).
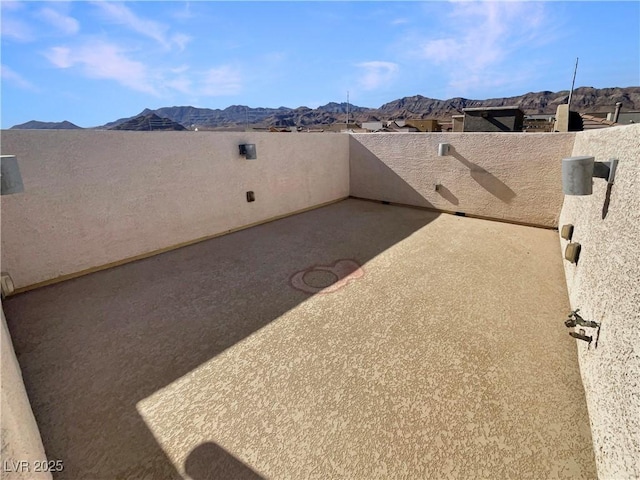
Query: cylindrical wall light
point(443, 149)
point(248, 150)
point(577, 173)
point(10, 178)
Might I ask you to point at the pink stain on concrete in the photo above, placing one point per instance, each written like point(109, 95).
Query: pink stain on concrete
point(345, 270)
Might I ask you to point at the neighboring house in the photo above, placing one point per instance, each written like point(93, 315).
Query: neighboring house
point(340, 127)
point(400, 126)
point(446, 126)
point(493, 119)
point(457, 122)
point(625, 118)
point(372, 126)
point(424, 125)
point(589, 122)
point(539, 123)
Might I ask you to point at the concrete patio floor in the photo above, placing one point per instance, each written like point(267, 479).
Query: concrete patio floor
point(445, 356)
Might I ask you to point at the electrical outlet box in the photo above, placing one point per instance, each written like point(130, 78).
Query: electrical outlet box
point(566, 232)
point(572, 252)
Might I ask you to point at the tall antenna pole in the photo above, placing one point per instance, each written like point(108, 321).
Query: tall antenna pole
point(573, 83)
point(347, 127)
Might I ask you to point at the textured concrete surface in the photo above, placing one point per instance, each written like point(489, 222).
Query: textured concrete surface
point(513, 176)
point(96, 197)
point(605, 286)
point(22, 454)
point(444, 356)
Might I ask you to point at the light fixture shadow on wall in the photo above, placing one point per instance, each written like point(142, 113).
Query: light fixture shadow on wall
point(248, 150)
point(578, 172)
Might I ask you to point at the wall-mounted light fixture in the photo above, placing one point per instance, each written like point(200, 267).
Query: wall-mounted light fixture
point(577, 173)
point(443, 149)
point(248, 150)
point(10, 178)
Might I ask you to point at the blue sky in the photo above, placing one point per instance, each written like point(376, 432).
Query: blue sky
point(94, 62)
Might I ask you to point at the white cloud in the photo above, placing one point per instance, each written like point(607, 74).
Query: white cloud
point(60, 57)
point(15, 25)
point(119, 13)
point(377, 74)
point(104, 61)
point(180, 69)
point(180, 40)
point(181, 84)
point(64, 23)
point(399, 21)
point(10, 5)
point(14, 78)
point(482, 38)
point(221, 81)
point(185, 13)
point(107, 61)
point(16, 29)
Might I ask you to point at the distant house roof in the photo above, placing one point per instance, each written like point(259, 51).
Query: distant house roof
point(373, 126)
point(400, 126)
point(481, 109)
point(625, 118)
point(424, 124)
point(543, 116)
point(589, 122)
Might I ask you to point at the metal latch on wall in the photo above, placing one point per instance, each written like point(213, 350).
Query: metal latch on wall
point(574, 320)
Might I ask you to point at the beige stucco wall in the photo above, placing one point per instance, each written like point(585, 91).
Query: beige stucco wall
point(96, 197)
point(22, 451)
point(605, 286)
point(513, 176)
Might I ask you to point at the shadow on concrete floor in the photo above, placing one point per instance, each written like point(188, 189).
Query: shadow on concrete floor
point(209, 461)
point(91, 348)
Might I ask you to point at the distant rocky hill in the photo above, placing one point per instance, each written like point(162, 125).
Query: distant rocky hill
point(236, 117)
point(585, 99)
point(148, 122)
point(36, 125)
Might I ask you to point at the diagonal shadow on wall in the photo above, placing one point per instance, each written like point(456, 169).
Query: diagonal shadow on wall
point(486, 179)
point(372, 178)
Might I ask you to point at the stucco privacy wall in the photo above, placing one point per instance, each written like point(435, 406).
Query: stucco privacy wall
point(96, 197)
point(21, 444)
point(605, 286)
point(515, 176)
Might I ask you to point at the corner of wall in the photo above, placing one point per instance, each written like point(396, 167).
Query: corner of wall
point(605, 286)
point(22, 451)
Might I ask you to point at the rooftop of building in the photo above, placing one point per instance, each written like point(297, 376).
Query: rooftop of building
point(423, 363)
point(346, 305)
point(481, 109)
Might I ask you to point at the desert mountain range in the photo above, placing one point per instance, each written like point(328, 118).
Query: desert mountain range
point(584, 100)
